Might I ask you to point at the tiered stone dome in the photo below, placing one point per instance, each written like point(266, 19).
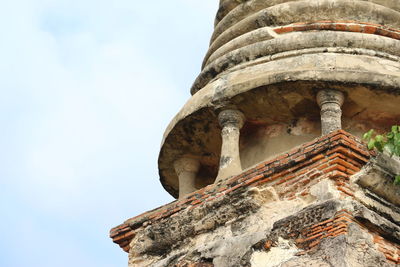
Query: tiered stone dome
point(268, 61)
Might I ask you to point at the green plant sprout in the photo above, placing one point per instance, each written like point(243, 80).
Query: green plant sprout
point(388, 142)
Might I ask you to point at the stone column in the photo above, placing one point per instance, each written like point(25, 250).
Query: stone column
point(330, 102)
point(231, 122)
point(186, 168)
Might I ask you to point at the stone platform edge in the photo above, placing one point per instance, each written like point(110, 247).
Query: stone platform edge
point(338, 155)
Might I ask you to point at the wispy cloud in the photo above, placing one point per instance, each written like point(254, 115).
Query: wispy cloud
point(87, 89)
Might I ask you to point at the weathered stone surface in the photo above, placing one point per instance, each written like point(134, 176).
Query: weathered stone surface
point(272, 111)
point(186, 168)
point(378, 178)
point(296, 42)
point(273, 217)
point(257, 185)
point(269, 59)
point(331, 102)
point(264, 236)
point(231, 122)
point(249, 8)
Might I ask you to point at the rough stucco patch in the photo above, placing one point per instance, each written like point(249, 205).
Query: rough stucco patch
point(281, 253)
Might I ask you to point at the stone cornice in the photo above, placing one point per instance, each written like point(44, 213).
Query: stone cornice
point(336, 156)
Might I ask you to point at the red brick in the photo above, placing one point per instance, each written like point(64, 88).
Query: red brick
point(318, 157)
point(325, 26)
point(354, 28)
point(285, 179)
point(128, 235)
point(346, 191)
point(369, 29)
point(338, 137)
point(233, 188)
point(299, 28)
point(358, 157)
point(195, 202)
point(308, 164)
point(309, 27)
point(352, 158)
point(313, 237)
point(394, 35)
point(322, 223)
point(325, 21)
point(304, 193)
point(339, 232)
point(263, 181)
point(282, 30)
point(254, 179)
point(315, 243)
point(382, 32)
point(340, 27)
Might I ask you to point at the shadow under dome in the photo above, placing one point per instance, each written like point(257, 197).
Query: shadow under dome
point(272, 99)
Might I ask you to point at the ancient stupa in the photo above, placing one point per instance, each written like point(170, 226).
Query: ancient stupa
point(266, 159)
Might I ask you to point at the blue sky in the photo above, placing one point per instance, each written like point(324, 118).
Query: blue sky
point(87, 89)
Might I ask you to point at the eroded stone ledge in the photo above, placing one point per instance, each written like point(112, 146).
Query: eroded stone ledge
point(267, 33)
point(308, 11)
point(321, 232)
point(250, 7)
point(378, 178)
point(335, 156)
point(297, 38)
point(300, 208)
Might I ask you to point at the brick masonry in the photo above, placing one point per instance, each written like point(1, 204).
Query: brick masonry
point(339, 226)
point(308, 236)
point(335, 156)
point(320, 200)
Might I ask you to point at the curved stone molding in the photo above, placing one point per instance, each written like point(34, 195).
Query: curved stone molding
point(292, 42)
point(309, 11)
point(226, 6)
point(240, 12)
point(267, 33)
point(249, 38)
point(248, 8)
point(317, 51)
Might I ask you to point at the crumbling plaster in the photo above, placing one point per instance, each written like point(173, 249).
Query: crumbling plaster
point(271, 94)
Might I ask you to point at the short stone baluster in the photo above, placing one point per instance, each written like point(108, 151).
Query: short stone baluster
point(186, 168)
point(231, 122)
point(330, 102)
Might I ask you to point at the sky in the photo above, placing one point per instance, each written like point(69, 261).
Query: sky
point(87, 90)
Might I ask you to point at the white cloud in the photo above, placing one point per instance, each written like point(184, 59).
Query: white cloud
point(87, 88)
